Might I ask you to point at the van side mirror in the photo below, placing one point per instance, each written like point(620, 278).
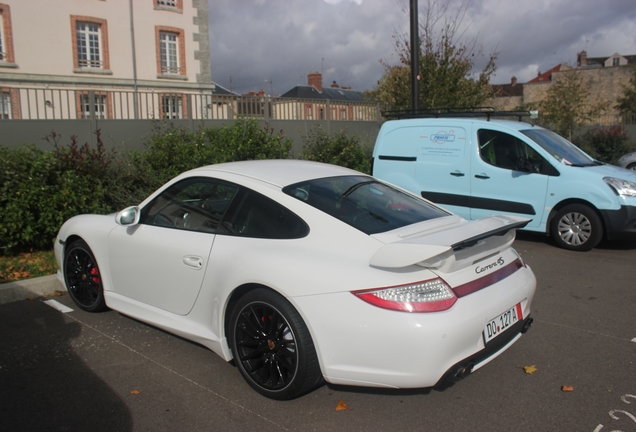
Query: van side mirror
point(128, 216)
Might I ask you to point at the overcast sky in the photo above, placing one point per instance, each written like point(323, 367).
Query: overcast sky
point(265, 44)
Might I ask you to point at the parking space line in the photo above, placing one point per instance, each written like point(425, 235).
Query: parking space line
point(57, 305)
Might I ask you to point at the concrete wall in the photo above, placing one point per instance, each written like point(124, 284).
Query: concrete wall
point(131, 134)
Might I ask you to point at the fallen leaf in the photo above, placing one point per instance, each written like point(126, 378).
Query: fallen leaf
point(57, 293)
point(135, 392)
point(342, 406)
point(566, 388)
point(530, 369)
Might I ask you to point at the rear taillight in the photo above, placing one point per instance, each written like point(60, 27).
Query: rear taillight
point(427, 296)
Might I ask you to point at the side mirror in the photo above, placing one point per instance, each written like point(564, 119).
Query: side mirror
point(128, 216)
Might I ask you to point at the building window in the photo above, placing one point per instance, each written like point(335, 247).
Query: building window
point(6, 37)
point(170, 51)
point(616, 61)
point(90, 43)
point(309, 112)
point(169, 58)
point(5, 105)
point(171, 5)
point(172, 106)
point(101, 108)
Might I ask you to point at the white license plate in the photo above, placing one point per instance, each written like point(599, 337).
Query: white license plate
point(499, 324)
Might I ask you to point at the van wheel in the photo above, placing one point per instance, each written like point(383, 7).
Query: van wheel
point(576, 227)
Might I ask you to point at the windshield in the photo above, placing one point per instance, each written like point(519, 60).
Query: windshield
point(561, 149)
point(364, 203)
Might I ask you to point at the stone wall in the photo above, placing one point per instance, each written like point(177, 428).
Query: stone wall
point(605, 84)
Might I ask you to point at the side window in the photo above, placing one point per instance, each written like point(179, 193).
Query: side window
point(194, 204)
point(508, 152)
point(260, 217)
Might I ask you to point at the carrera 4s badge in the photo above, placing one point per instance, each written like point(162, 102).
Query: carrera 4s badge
point(499, 263)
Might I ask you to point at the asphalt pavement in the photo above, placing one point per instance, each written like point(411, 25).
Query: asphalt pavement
point(66, 370)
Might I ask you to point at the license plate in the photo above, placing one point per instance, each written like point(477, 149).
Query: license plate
point(499, 324)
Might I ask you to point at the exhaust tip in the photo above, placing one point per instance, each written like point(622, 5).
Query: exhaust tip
point(527, 325)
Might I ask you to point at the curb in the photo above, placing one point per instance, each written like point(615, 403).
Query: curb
point(29, 288)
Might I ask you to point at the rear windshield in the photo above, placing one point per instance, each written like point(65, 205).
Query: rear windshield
point(560, 148)
point(364, 203)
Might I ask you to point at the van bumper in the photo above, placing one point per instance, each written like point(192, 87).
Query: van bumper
point(620, 224)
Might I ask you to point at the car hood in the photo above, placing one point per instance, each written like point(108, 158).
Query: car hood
point(448, 244)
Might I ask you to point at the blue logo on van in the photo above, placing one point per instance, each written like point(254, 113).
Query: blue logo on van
point(442, 137)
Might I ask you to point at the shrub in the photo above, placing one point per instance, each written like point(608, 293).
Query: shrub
point(40, 190)
point(246, 140)
point(36, 199)
point(340, 149)
point(606, 144)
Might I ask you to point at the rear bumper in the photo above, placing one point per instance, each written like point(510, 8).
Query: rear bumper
point(620, 224)
point(373, 347)
point(492, 350)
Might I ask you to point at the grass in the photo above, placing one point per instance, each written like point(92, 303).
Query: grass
point(26, 265)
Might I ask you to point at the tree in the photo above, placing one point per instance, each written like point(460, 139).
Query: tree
point(567, 104)
point(627, 103)
point(446, 64)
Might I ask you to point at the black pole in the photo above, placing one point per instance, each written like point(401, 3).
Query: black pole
point(415, 58)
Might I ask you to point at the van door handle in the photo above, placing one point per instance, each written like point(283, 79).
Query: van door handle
point(457, 174)
point(482, 176)
point(194, 262)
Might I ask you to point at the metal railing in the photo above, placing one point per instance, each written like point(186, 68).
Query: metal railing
point(42, 103)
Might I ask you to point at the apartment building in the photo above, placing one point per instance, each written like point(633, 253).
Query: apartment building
point(111, 59)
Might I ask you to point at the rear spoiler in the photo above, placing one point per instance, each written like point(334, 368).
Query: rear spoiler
point(419, 248)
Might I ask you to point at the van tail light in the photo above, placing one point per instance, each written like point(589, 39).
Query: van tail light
point(427, 296)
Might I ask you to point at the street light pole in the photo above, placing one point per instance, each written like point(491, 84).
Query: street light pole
point(415, 59)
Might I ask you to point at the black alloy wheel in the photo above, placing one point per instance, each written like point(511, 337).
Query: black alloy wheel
point(272, 347)
point(83, 278)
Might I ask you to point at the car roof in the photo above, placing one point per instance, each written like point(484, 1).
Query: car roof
point(279, 172)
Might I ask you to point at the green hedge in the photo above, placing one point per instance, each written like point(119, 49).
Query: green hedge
point(41, 189)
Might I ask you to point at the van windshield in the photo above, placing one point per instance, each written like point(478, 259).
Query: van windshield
point(561, 149)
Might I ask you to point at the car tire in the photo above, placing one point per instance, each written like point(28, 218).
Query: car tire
point(272, 347)
point(576, 227)
point(83, 278)
point(631, 166)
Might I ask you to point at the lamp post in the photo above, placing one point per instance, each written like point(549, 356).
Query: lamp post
point(415, 59)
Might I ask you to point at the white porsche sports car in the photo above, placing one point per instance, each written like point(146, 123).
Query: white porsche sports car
point(302, 272)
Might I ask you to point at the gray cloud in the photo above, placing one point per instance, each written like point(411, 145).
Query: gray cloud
point(255, 41)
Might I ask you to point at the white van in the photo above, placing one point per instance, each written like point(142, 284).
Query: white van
point(478, 167)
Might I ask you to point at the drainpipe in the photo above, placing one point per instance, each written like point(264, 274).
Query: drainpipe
point(134, 60)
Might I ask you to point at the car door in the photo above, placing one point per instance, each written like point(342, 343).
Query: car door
point(443, 167)
point(507, 177)
point(162, 260)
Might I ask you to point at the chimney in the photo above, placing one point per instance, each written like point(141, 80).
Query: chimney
point(334, 85)
point(513, 80)
point(315, 79)
point(582, 59)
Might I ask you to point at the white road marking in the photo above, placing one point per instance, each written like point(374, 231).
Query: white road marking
point(59, 306)
point(634, 340)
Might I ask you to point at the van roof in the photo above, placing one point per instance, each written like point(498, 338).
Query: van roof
point(452, 121)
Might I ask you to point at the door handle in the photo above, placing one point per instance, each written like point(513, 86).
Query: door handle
point(482, 176)
point(457, 174)
point(194, 262)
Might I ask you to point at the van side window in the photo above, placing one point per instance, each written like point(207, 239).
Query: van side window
point(505, 151)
